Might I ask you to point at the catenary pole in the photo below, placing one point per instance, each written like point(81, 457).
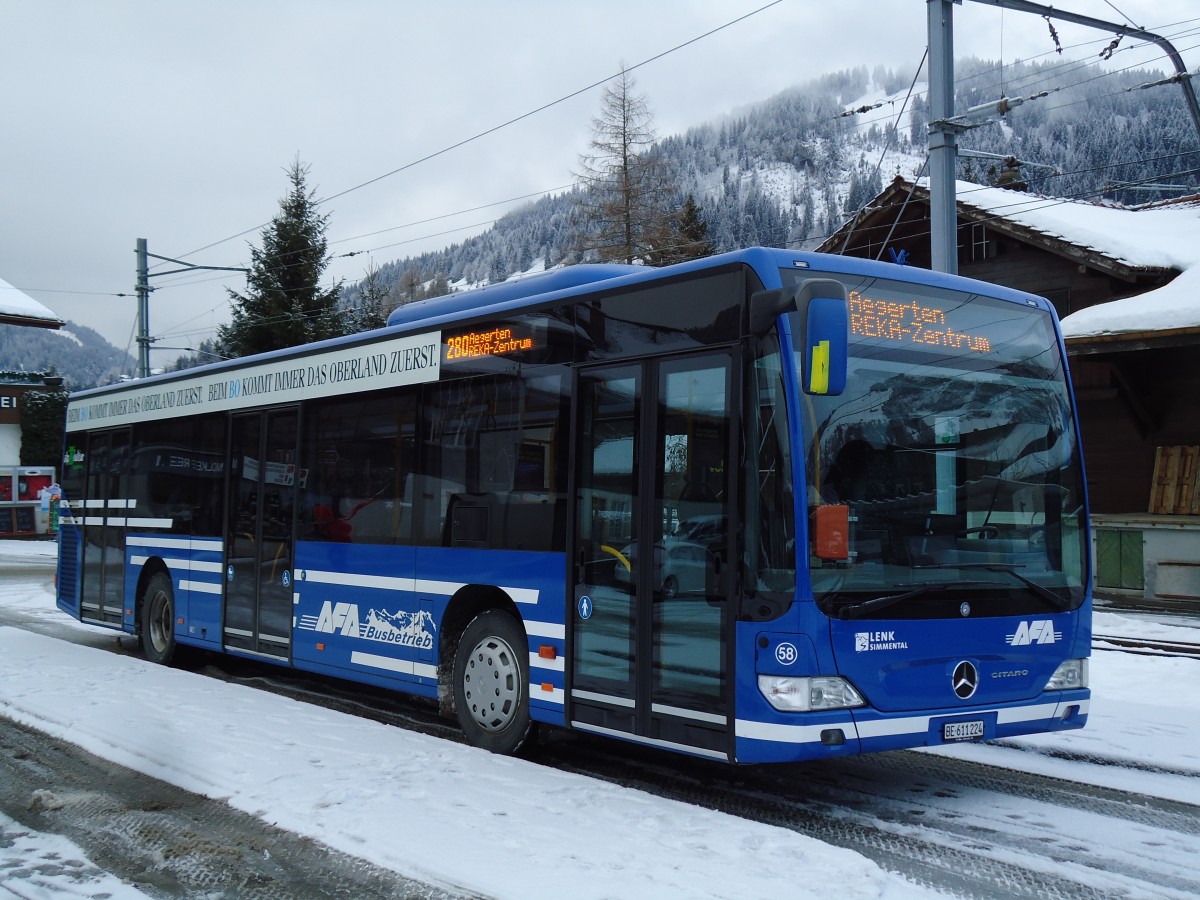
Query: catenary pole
point(143, 294)
point(143, 311)
point(943, 139)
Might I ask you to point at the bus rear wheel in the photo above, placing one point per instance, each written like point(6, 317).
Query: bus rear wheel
point(491, 683)
point(158, 620)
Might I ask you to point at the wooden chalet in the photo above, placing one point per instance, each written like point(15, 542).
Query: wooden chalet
point(1133, 344)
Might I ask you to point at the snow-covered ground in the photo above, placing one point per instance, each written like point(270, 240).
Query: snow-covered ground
point(50, 866)
point(463, 819)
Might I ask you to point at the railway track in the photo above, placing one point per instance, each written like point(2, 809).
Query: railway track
point(1145, 646)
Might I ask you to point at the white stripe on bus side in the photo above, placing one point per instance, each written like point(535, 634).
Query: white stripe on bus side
point(603, 698)
point(201, 587)
point(681, 713)
point(552, 665)
point(546, 630)
point(170, 543)
point(554, 695)
point(411, 585)
point(403, 666)
point(191, 565)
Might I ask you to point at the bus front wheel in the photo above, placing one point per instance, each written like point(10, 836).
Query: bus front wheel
point(158, 620)
point(491, 683)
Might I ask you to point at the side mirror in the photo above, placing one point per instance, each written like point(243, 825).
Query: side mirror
point(825, 329)
point(826, 346)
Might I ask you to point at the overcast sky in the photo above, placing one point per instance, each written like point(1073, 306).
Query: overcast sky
point(175, 121)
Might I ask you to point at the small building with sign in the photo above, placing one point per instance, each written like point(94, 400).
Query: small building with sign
point(23, 508)
point(1126, 284)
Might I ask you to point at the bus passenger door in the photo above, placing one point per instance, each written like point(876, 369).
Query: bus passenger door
point(103, 513)
point(263, 477)
point(652, 552)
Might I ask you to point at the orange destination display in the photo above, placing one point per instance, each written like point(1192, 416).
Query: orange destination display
point(910, 322)
point(502, 340)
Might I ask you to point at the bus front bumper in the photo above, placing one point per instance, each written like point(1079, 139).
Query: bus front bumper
point(794, 738)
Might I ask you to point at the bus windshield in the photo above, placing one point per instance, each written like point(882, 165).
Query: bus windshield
point(946, 479)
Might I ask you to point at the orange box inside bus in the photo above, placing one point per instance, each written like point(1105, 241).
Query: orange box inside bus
point(831, 531)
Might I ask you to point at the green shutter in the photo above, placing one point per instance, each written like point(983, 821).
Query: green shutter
point(1119, 559)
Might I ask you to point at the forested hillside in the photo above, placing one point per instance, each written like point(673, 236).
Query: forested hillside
point(788, 171)
point(76, 352)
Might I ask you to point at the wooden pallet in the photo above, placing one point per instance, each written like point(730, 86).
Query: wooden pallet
point(1175, 489)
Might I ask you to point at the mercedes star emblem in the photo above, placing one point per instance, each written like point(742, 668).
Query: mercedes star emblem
point(965, 680)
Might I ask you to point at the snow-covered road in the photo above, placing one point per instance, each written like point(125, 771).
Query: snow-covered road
point(459, 819)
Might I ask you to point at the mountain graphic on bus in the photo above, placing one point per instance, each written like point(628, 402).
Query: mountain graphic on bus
point(402, 628)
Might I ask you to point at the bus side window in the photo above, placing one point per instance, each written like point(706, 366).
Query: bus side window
point(493, 447)
point(358, 459)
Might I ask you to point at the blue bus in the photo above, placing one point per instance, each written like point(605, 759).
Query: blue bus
point(762, 507)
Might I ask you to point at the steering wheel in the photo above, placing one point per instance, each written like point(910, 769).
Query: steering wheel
point(983, 531)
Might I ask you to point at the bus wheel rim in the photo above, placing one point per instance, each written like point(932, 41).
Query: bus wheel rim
point(160, 621)
point(492, 684)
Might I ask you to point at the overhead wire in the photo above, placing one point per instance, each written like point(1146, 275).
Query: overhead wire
point(577, 93)
point(192, 280)
point(749, 176)
point(1122, 15)
point(510, 122)
point(540, 109)
point(513, 120)
point(1028, 204)
point(1042, 75)
point(173, 333)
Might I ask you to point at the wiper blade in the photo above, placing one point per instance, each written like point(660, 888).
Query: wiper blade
point(857, 610)
point(1061, 603)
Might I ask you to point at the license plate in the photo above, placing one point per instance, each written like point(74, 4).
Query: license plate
point(962, 731)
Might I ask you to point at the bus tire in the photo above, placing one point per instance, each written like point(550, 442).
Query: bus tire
point(158, 619)
point(491, 683)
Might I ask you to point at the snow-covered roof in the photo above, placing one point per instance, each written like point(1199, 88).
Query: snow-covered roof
point(1157, 236)
point(18, 308)
point(1173, 307)
point(1161, 237)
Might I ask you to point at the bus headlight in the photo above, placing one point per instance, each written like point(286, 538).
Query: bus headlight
point(1071, 674)
point(789, 694)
